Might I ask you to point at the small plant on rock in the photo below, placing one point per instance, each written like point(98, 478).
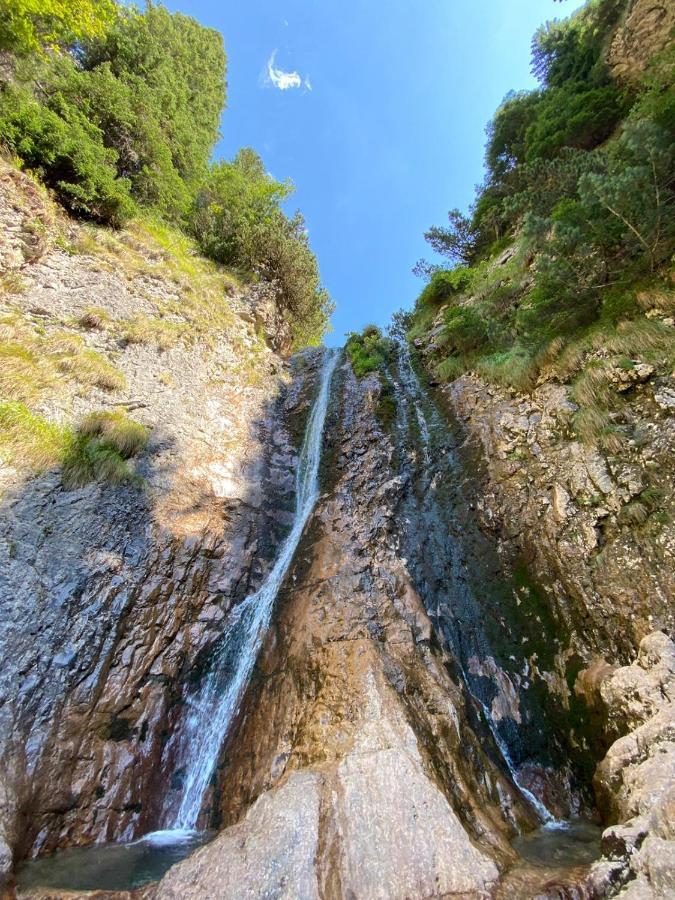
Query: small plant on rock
point(100, 448)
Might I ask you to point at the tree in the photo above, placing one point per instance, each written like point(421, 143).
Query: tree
point(235, 201)
point(27, 26)
point(458, 242)
point(636, 189)
point(174, 70)
point(238, 221)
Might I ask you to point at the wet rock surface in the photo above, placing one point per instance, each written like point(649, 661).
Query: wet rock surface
point(353, 771)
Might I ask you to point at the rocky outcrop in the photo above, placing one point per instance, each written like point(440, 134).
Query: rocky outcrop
point(353, 771)
point(635, 782)
point(111, 596)
point(647, 29)
point(567, 507)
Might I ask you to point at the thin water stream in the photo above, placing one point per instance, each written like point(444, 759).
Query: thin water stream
point(437, 560)
point(212, 709)
point(562, 846)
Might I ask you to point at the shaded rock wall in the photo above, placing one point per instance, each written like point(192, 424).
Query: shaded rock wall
point(543, 494)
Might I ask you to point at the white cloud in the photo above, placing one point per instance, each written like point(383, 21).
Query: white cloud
point(280, 79)
point(308, 83)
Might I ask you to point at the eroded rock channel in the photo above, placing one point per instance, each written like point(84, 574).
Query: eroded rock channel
point(364, 700)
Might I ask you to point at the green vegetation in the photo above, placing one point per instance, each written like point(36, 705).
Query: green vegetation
point(97, 451)
point(370, 351)
point(100, 448)
point(117, 110)
point(33, 365)
point(29, 440)
point(237, 220)
point(570, 235)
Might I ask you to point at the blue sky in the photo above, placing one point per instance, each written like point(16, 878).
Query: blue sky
point(384, 131)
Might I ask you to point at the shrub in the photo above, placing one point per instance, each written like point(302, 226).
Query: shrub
point(464, 330)
point(237, 220)
point(68, 152)
point(368, 351)
point(444, 285)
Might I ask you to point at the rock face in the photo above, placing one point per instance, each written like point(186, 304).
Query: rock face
point(353, 771)
point(567, 507)
point(469, 623)
point(645, 32)
point(636, 780)
point(110, 595)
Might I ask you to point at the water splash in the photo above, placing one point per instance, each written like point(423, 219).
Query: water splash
point(212, 709)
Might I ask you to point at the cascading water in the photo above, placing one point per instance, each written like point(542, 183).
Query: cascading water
point(212, 709)
point(454, 604)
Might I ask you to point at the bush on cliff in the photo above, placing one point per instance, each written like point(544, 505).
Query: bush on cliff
point(117, 108)
point(579, 183)
point(238, 221)
point(368, 351)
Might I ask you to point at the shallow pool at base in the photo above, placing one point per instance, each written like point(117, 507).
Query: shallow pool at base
point(112, 867)
point(576, 843)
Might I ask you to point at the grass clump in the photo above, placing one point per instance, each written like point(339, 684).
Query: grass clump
point(34, 364)
point(29, 440)
point(100, 448)
point(150, 330)
point(94, 318)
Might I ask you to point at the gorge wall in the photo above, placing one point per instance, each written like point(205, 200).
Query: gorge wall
point(111, 594)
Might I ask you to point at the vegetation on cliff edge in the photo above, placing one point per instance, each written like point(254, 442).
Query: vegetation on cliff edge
point(569, 241)
point(117, 110)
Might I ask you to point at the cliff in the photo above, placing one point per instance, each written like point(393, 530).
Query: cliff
point(112, 592)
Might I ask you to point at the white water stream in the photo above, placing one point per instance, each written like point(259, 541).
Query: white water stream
point(214, 706)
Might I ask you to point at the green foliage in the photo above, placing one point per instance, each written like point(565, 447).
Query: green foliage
point(368, 351)
point(237, 220)
point(235, 206)
point(29, 440)
point(164, 116)
point(100, 448)
point(132, 110)
point(68, 152)
point(580, 181)
point(456, 242)
point(31, 25)
point(464, 330)
point(506, 145)
point(656, 101)
point(572, 50)
point(123, 110)
point(573, 115)
point(444, 285)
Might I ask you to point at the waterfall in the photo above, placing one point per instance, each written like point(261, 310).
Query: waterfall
point(212, 709)
point(409, 391)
